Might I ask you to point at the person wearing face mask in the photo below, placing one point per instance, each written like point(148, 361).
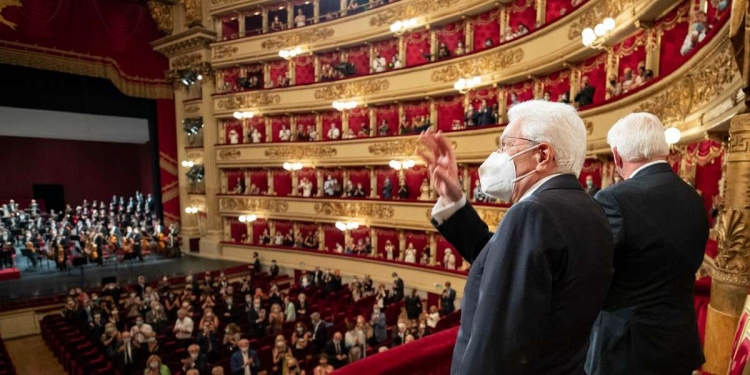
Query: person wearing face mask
point(377, 321)
point(154, 366)
point(319, 332)
point(194, 361)
point(231, 337)
point(659, 224)
point(140, 330)
point(696, 33)
point(551, 257)
point(591, 189)
point(280, 352)
point(231, 312)
point(399, 337)
point(110, 340)
point(157, 317)
point(244, 361)
point(256, 319)
point(300, 340)
point(275, 320)
point(337, 351)
point(127, 355)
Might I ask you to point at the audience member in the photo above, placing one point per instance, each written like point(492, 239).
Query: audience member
point(323, 367)
point(336, 351)
point(245, 361)
point(154, 366)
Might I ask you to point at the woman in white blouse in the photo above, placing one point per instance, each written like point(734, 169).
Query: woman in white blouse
point(389, 250)
point(410, 255)
point(433, 317)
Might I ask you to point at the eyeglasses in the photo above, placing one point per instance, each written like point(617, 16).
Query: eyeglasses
point(505, 144)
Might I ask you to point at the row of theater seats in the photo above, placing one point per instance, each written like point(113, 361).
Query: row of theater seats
point(6, 365)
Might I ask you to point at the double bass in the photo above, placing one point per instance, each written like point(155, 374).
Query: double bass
point(127, 245)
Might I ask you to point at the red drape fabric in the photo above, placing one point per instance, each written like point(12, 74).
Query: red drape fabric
point(308, 173)
point(631, 52)
point(360, 234)
point(595, 68)
point(557, 9)
point(237, 230)
point(333, 236)
point(278, 123)
point(451, 34)
point(358, 118)
point(360, 57)
point(414, 178)
point(386, 172)
point(593, 168)
point(362, 176)
point(330, 118)
point(260, 179)
point(523, 90)
point(417, 44)
point(232, 176)
point(707, 157)
point(385, 235)
point(307, 228)
point(557, 83)
point(165, 119)
point(387, 48)
point(329, 59)
point(486, 26)
point(304, 70)
point(522, 12)
point(673, 28)
point(228, 79)
point(389, 113)
point(417, 108)
point(278, 69)
point(443, 244)
point(450, 109)
point(283, 227)
point(282, 182)
point(230, 28)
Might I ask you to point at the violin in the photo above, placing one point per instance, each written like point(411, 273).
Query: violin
point(127, 245)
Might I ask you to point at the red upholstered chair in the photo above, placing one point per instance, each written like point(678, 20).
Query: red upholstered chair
point(741, 346)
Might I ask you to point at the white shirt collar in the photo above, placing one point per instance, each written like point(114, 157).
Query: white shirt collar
point(644, 166)
point(539, 183)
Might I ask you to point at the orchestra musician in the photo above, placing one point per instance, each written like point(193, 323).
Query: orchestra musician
point(137, 237)
point(8, 246)
point(115, 236)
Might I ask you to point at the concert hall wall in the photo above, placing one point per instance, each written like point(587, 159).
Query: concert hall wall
point(87, 170)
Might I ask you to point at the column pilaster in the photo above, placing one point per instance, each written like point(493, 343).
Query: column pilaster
point(188, 222)
point(210, 244)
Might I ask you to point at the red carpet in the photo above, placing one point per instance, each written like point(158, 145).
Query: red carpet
point(10, 274)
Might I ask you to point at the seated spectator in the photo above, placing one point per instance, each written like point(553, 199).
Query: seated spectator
point(409, 338)
point(521, 30)
point(217, 370)
point(640, 77)
point(422, 329)
point(337, 351)
point(433, 317)
point(488, 43)
point(628, 81)
point(613, 87)
point(349, 134)
point(244, 359)
point(395, 63)
point(363, 132)
point(154, 366)
point(509, 34)
point(231, 337)
point(195, 360)
point(323, 367)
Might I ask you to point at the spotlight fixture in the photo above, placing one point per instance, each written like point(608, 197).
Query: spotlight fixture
point(596, 37)
point(288, 54)
point(187, 163)
point(463, 85)
point(400, 27)
point(672, 135)
point(399, 165)
point(188, 77)
point(191, 210)
point(292, 166)
point(195, 173)
point(247, 218)
point(192, 125)
point(346, 225)
point(242, 115)
point(344, 105)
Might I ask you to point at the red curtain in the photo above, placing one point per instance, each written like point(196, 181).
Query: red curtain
point(282, 182)
point(487, 93)
point(361, 176)
point(631, 51)
point(443, 244)
point(116, 34)
point(387, 235)
point(414, 178)
point(235, 125)
point(418, 239)
point(259, 226)
point(277, 123)
point(389, 113)
point(283, 227)
point(593, 168)
point(707, 156)
point(557, 83)
point(303, 121)
point(307, 228)
point(673, 27)
point(387, 48)
point(232, 176)
point(596, 69)
point(329, 118)
point(228, 82)
point(524, 91)
point(278, 69)
point(308, 173)
point(358, 118)
point(304, 70)
point(451, 34)
point(449, 109)
point(557, 9)
point(522, 12)
point(414, 109)
point(260, 179)
point(486, 26)
point(417, 44)
point(360, 57)
point(360, 234)
point(333, 236)
point(386, 172)
point(237, 230)
point(230, 28)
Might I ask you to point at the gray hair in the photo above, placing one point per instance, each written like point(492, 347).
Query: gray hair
point(557, 124)
point(638, 137)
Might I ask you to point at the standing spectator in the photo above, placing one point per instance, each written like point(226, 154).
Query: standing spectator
point(280, 352)
point(355, 339)
point(398, 288)
point(140, 330)
point(256, 319)
point(586, 95)
point(377, 321)
point(208, 342)
point(244, 361)
point(290, 311)
point(319, 334)
point(433, 317)
point(183, 328)
point(447, 299)
point(110, 340)
point(156, 367)
point(275, 320)
point(127, 355)
point(336, 351)
point(256, 267)
point(413, 305)
point(231, 337)
point(323, 367)
point(195, 360)
point(274, 269)
point(300, 340)
point(157, 317)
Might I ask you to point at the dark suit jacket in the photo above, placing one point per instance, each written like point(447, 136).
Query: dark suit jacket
point(200, 364)
point(648, 323)
point(330, 351)
point(319, 337)
point(585, 96)
point(543, 278)
point(236, 362)
point(448, 304)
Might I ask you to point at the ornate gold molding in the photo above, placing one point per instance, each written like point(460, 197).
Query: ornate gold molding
point(250, 204)
point(221, 52)
point(194, 39)
point(406, 11)
point(596, 13)
point(248, 100)
point(376, 211)
point(187, 61)
point(192, 110)
point(589, 129)
point(192, 155)
point(297, 38)
point(388, 148)
point(733, 258)
point(220, 2)
point(193, 12)
point(5, 4)
point(228, 154)
point(162, 14)
point(491, 217)
point(301, 152)
point(479, 66)
point(352, 89)
point(703, 82)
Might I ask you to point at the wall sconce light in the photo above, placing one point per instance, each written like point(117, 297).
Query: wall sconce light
point(672, 135)
point(288, 54)
point(191, 210)
point(292, 166)
point(188, 77)
point(346, 225)
point(243, 115)
point(187, 163)
point(463, 85)
point(400, 27)
point(247, 218)
point(595, 37)
point(344, 105)
point(399, 165)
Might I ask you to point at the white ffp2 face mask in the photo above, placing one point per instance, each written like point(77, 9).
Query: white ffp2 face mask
point(497, 174)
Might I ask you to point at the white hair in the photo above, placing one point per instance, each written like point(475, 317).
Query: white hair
point(557, 124)
point(638, 137)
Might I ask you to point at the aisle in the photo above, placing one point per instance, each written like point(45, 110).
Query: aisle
point(31, 356)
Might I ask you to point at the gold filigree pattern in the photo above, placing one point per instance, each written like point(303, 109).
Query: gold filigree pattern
point(596, 13)
point(478, 66)
point(491, 217)
point(228, 154)
point(376, 211)
point(220, 2)
point(702, 83)
point(733, 258)
point(186, 61)
point(387, 148)
point(5, 4)
point(252, 204)
point(193, 13)
point(352, 89)
point(301, 152)
point(297, 38)
point(221, 52)
point(162, 14)
point(405, 11)
point(589, 128)
point(192, 109)
point(248, 100)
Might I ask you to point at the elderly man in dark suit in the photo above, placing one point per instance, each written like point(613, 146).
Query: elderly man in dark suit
point(660, 228)
point(537, 285)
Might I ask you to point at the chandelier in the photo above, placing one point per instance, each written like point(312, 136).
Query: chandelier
point(346, 225)
point(247, 218)
point(463, 85)
point(400, 27)
point(288, 54)
point(344, 105)
point(399, 165)
point(242, 115)
point(595, 37)
point(292, 166)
